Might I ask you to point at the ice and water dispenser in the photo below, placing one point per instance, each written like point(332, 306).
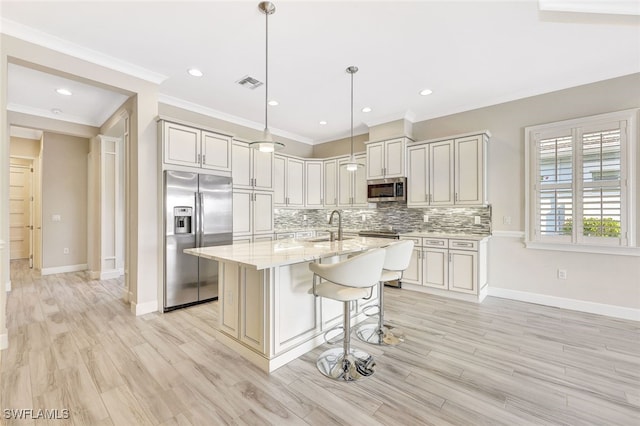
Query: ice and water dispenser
point(182, 219)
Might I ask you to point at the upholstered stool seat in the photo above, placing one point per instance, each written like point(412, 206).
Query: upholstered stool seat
point(398, 256)
point(346, 281)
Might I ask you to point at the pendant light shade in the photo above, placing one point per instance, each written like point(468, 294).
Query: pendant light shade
point(266, 144)
point(352, 165)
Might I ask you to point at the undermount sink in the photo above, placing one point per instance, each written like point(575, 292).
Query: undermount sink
point(325, 239)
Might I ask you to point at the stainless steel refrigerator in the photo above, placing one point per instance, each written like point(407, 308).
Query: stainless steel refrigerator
point(198, 213)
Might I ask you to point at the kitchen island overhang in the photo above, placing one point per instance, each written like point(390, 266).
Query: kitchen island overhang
point(268, 313)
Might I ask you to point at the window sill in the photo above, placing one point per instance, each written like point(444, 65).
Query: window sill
point(618, 251)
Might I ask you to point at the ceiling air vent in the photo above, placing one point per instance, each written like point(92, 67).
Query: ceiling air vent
point(249, 82)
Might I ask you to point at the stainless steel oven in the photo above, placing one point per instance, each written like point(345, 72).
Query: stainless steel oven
point(392, 189)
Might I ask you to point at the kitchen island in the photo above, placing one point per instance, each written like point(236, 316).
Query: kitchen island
point(268, 313)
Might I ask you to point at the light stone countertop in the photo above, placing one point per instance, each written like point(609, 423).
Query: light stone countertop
point(269, 254)
point(445, 235)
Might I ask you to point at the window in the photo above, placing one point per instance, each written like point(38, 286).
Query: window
point(580, 182)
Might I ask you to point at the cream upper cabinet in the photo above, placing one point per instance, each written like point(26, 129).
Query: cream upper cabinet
point(251, 169)
point(252, 212)
point(447, 172)
point(314, 184)
point(470, 182)
point(216, 151)
point(288, 182)
point(387, 159)
point(330, 186)
point(192, 147)
point(352, 186)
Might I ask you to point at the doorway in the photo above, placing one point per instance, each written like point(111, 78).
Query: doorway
point(21, 209)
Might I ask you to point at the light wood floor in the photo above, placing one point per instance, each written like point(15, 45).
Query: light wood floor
point(74, 345)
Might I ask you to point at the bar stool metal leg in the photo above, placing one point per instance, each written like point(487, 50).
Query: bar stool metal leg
point(346, 364)
point(380, 333)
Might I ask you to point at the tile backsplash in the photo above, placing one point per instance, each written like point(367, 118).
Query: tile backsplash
point(397, 215)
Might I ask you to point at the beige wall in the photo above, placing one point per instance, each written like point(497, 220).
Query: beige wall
point(64, 193)
point(340, 147)
point(21, 147)
point(292, 147)
point(605, 279)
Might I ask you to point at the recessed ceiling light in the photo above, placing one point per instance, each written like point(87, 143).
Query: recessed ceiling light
point(273, 102)
point(366, 109)
point(56, 111)
point(63, 91)
point(195, 72)
point(323, 122)
point(425, 92)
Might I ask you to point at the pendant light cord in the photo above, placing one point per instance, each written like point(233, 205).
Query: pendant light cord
point(266, 72)
point(352, 116)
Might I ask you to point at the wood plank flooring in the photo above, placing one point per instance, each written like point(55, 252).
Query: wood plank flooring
point(75, 345)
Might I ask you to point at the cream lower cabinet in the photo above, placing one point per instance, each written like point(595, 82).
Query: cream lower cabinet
point(452, 266)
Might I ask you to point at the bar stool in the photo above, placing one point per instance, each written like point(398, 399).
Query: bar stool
point(346, 281)
point(398, 256)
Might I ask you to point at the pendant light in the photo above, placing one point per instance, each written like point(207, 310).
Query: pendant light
point(266, 144)
point(352, 165)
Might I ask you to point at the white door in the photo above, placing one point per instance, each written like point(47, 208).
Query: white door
point(216, 151)
point(241, 170)
point(295, 182)
point(395, 158)
point(441, 173)
point(262, 212)
point(242, 206)
point(279, 180)
point(360, 183)
point(435, 268)
point(181, 145)
point(20, 231)
point(462, 271)
point(330, 183)
point(314, 184)
point(375, 160)
point(418, 191)
point(262, 170)
point(468, 170)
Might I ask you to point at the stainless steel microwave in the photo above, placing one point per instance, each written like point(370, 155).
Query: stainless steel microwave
point(392, 189)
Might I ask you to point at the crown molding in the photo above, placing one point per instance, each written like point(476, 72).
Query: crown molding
point(210, 112)
point(406, 115)
point(58, 44)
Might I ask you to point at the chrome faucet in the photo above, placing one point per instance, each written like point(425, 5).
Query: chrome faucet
point(339, 223)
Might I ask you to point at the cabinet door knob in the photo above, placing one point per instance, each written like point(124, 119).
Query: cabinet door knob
point(203, 159)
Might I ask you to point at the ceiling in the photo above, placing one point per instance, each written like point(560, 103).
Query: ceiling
point(470, 54)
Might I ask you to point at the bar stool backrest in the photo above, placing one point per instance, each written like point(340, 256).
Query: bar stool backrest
point(359, 271)
point(398, 255)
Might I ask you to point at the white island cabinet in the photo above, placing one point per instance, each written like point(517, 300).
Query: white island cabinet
point(268, 313)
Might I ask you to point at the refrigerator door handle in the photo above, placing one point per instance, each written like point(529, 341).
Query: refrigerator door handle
point(201, 220)
point(196, 218)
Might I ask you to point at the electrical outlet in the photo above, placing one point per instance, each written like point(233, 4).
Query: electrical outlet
point(562, 274)
point(476, 220)
point(65, 250)
point(304, 217)
point(55, 218)
point(425, 218)
point(364, 217)
point(506, 220)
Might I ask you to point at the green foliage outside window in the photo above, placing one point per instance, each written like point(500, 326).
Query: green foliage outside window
point(595, 227)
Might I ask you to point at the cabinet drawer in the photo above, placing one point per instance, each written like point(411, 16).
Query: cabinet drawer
point(304, 234)
point(417, 241)
point(435, 242)
point(463, 244)
point(285, 235)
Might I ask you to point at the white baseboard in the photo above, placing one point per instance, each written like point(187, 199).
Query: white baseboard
point(572, 304)
point(8, 286)
point(63, 269)
point(111, 274)
point(4, 341)
point(144, 308)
